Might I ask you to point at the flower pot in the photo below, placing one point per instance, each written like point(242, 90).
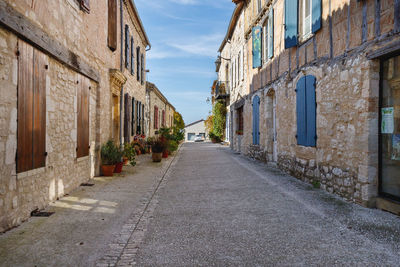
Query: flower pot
point(126, 161)
point(118, 167)
point(156, 157)
point(165, 154)
point(107, 170)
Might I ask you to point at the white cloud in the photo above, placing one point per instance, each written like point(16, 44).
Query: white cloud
point(206, 45)
point(185, 2)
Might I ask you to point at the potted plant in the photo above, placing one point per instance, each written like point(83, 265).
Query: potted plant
point(157, 148)
point(214, 138)
point(109, 157)
point(129, 154)
point(119, 161)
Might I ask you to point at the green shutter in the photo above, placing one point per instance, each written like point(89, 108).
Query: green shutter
point(316, 15)
point(291, 7)
point(256, 36)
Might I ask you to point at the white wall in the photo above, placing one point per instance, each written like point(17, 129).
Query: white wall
point(196, 129)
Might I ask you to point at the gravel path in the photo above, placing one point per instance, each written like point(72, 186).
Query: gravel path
point(221, 209)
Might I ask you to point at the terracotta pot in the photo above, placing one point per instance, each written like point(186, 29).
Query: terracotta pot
point(126, 161)
point(118, 167)
point(156, 157)
point(107, 170)
point(165, 154)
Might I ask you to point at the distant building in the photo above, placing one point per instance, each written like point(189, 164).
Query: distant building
point(195, 128)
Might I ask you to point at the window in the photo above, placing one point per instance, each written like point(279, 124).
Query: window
point(138, 63)
point(142, 119)
point(302, 23)
point(127, 46)
point(133, 117)
point(142, 69)
point(155, 117)
point(31, 139)
point(132, 56)
point(82, 149)
point(238, 68)
point(112, 25)
point(269, 36)
point(306, 17)
point(256, 120)
point(139, 117)
point(163, 118)
point(306, 111)
point(240, 121)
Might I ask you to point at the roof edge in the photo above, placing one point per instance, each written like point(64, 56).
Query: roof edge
point(232, 23)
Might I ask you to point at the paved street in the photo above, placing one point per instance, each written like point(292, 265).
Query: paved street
point(209, 207)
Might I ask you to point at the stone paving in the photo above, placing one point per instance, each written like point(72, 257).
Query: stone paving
point(205, 207)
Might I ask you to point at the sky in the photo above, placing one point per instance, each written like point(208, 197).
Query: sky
point(185, 36)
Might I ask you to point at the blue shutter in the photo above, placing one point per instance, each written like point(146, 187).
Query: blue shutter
point(256, 36)
point(301, 112)
point(291, 7)
point(316, 15)
point(271, 33)
point(126, 46)
point(256, 120)
point(132, 56)
point(311, 111)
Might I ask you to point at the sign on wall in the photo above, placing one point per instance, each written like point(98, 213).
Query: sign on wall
point(256, 36)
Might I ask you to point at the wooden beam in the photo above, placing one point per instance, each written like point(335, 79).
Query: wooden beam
point(27, 31)
point(385, 51)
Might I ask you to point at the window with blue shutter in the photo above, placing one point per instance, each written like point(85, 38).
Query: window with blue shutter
point(256, 36)
point(291, 10)
point(256, 120)
point(127, 46)
point(316, 15)
point(133, 117)
point(132, 56)
point(306, 111)
point(270, 33)
point(138, 63)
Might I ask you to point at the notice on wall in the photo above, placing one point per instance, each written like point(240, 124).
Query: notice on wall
point(387, 125)
point(396, 147)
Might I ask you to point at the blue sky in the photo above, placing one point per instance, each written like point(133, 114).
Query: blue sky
point(185, 36)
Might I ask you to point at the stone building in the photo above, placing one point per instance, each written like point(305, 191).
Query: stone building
point(61, 62)
point(322, 94)
point(161, 111)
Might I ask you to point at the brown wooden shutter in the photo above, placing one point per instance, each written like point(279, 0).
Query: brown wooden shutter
point(39, 109)
point(138, 63)
point(25, 107)
point(141, 69)
point(112, 24)
point(85, 5)
point(83, 117)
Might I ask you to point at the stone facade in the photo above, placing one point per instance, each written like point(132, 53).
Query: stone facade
point(82, 36)
point(157, 102)
point(345, 158)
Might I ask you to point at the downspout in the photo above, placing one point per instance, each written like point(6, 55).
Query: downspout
point(121, 68)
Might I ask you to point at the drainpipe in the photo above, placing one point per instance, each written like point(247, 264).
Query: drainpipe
point(121, 67)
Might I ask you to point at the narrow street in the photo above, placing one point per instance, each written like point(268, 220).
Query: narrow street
point(206, 206)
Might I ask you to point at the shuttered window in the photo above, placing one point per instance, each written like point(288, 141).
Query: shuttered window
point(143, 119)
point(85, 5)
point(127, 47)
point(139, 117)
point(133, 117)
point(163, 118)
point(240, 121)
point(82, 148)
point(306, 111)
point(142, 69)
point(155, 117)
point(132, 56)
point(127, 117)
point(138, 63)
point(256, 120)
point(256, 41)
point(112, 25)
point(270, 34)
point(31, 139)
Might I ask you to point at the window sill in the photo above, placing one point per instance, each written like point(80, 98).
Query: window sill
point(305, 38)
point(84, 158)
point(29, 173)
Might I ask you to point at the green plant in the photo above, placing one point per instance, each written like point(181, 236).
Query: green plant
point(172, 145)
point(129, 152)
point(316, 184)
point(214, 137)
point(219, 119)
point(157, 145)
point(110, 153)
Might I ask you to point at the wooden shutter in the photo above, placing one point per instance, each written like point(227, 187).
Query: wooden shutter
point(25, 107)
point(138, 63)
point(256, 120)
point(139, 118)
point(126, 117)
point(301, 112)
point(142, 118)
point(82, 149)
point(133, 117)
point(142, 69)
point(316, 15)
point(311, 111)
point(127, 54)
point(85, 5)
point(256, 37)
point(271, 33)
point(132, 56)
point(112, 25)
point(291, 7)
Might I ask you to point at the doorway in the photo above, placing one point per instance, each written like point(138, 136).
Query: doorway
point(389, 136)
